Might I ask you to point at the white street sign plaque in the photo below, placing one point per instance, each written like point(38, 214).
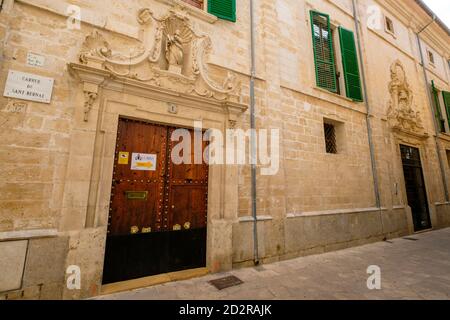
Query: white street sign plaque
point(27, 86)
point(35, 60)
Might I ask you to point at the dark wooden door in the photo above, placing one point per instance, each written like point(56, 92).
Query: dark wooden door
point(415, 187)
point(158, 211)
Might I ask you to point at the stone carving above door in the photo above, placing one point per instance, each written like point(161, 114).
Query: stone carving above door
point(401, 114)
point(170, 55)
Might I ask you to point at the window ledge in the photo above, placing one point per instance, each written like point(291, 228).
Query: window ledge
point(442, 203)
point(391, 34)
point(195, 12)
point(334, 212)
point(251, 219)
point(336, 95)
point(444, 136)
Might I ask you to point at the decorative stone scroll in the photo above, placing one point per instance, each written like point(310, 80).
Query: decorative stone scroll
point(89, 99)
point(401, 114)
point(172, 55)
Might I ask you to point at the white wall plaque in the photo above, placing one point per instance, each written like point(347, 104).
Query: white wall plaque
point(28, 86)
point(143, 162)
point(35, 60)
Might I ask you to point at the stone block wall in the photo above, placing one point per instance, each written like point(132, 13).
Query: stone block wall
point(53, 162)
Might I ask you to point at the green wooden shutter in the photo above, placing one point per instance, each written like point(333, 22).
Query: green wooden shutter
point(223, 9)
point(323, 51)
point(446, 96)
point(437, 106)
point(350, 64)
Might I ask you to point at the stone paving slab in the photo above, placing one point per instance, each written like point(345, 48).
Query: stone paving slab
point(409, 270)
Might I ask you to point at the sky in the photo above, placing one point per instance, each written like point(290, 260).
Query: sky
point(441, 8)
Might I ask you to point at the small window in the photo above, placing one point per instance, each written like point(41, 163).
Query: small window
point(195, 3)
point(222, 9)
point(430, 57)
point(448, 157)
point(330, 138)
point(439, 114)
point(389, 25)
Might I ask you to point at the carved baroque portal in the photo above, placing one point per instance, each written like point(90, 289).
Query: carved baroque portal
point(401, 115)
point(171, 55)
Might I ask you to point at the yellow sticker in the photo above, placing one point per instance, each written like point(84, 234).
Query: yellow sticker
point(146, 230)
point(176, 227)
point(123, 157)
point(134, 230)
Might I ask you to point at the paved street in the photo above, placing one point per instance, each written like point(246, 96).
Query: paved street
point(414, 267)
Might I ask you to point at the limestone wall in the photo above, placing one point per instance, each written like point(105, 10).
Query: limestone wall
point(57, 168)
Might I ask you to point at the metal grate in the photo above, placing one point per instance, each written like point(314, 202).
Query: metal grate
point(227, 282)
point(410, 239)
point(330, 138)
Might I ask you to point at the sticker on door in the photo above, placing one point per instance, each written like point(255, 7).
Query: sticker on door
point(123, 157)
point(143, 162)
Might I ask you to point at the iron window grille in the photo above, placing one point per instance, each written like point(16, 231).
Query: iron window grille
point(330, 138)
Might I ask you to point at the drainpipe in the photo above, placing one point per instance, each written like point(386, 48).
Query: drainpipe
point(430, 100)
point(376, 182)
point(368, 108)
point(253, 135)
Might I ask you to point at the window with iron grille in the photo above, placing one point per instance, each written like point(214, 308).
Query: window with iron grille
point(330, 138)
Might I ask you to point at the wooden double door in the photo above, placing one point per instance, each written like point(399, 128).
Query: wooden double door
point(158, 210)
point(415, 187)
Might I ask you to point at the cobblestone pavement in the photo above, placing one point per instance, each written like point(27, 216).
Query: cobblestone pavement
point(410, 269)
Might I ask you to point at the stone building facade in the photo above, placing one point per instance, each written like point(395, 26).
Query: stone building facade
point(346, 152)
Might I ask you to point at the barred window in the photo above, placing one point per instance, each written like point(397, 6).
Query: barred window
point(330, 138)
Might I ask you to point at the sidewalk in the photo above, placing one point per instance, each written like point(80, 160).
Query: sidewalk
point(410, 269)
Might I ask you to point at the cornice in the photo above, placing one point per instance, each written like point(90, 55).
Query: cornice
point(107, 80)
point(401, 134)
